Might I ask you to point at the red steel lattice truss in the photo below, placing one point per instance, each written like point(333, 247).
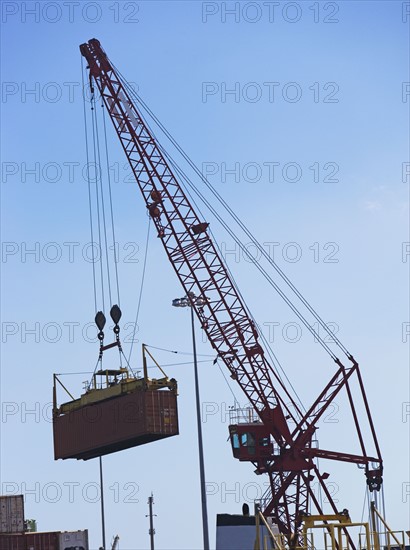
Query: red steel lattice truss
point(226, 321)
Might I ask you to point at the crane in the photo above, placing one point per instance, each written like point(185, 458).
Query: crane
point(278, 439)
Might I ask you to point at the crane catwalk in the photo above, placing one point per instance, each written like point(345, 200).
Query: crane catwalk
point(279, 443)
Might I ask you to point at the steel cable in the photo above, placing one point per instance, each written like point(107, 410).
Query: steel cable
point(97, 201)
point(141, 290)
point(89, 188)
point(111, 208)
point(104, 225)
point(235, 217)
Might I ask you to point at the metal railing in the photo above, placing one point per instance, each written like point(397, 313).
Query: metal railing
point(245, 415)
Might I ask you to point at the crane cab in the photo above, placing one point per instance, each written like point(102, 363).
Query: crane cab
point(251, 442)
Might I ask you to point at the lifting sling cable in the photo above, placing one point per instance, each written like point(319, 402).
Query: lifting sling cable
point(99, 360)
point(235, 217)
point(89, 190)
point(111, 207)
point(102, 203)
point(104, 225)
point(98, 205)
point(103, 241)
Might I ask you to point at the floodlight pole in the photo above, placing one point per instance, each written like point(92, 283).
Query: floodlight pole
point(151, 521)
point(102, 504)
point(189, 301)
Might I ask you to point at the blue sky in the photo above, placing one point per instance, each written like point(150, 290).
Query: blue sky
point(182, 56)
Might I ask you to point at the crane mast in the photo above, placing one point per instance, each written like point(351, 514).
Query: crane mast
point(279, 441)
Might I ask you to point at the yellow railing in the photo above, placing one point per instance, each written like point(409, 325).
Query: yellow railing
point(334, 538)
point(339, 533)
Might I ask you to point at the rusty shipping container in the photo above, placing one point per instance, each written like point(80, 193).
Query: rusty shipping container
point(12, 514)
point(30, 541)
point(115, 424)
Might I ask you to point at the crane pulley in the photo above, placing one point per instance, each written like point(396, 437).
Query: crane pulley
point(278, 439)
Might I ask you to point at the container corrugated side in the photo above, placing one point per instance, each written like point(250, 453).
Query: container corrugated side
point(12, 514)
point(115, 424)
point(31, 541)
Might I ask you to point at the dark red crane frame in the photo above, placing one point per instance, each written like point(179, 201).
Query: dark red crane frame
point(226, 321)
